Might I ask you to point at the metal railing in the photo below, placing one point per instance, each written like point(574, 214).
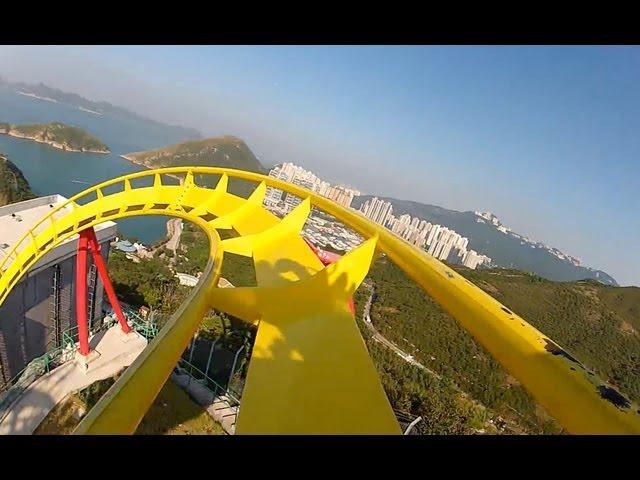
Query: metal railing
point(63, 353)
point(34, 370)
point(210, 384)
point(144, 326)
point(149, 330)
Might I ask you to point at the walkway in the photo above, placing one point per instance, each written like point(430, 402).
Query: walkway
point(174, 230)
point(115, 353)
point(171, 241)
point(219, 407)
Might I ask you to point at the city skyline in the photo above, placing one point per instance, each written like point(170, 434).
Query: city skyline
point(543, 136)
point(441, 242)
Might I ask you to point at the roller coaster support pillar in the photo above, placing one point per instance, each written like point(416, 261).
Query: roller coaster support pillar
point(94, 246)
point(81, 294)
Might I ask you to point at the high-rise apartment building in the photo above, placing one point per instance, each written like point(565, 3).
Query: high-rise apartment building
point(273, 196)
point(299, 176)
point(377, 210)
point(441, 242)
point(340, 195)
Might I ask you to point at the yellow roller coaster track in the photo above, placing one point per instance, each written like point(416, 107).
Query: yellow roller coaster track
point(310, 371)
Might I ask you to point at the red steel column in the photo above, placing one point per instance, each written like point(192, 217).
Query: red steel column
point(81, 294)
point(94, 246)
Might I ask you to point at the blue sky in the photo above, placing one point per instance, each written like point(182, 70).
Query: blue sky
point(545, 137)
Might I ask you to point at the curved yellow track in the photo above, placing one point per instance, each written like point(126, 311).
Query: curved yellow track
point(310, 371)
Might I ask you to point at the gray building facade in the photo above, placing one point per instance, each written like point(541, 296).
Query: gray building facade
point(41, 307)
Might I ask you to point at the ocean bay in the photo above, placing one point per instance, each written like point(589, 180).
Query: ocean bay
point(50, 171)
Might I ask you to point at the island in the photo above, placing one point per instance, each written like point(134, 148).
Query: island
point(57, 135)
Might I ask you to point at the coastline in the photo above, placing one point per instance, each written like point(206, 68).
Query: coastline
point(82, 109)
point(148, 167)
point(55, 145)
point(33, 95)
point(136, 162)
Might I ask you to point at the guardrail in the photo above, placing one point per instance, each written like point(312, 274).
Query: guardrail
point(214, 387)
point(34, 370)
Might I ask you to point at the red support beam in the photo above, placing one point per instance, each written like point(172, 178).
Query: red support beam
point(94, 246)
point(81, 294)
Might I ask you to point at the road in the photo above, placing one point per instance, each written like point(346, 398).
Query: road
point(174, 230)
point(378, 337)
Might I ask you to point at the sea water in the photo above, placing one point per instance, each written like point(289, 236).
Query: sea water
point(49, 170)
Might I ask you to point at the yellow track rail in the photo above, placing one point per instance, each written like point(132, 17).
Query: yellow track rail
point(310, 371)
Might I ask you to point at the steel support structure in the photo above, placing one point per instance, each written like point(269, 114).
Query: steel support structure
point(81, 293)
point(98, 261)
point(88, 241)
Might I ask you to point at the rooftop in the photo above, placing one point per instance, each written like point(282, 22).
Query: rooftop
point(17, 218)
point(125, 246)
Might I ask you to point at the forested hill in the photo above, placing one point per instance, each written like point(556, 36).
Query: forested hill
point(58, 135)
point(226, 151)
point(597, 324)
point(13, 185)
point(505, 249)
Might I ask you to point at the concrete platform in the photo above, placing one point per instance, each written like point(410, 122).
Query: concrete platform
point(28, 411)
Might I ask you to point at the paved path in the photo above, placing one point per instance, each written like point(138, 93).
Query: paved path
point(28, 411)
point(378, 337)
point(174, 229)
point(218, 407)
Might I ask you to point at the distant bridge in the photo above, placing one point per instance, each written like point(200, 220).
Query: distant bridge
point(310, 371)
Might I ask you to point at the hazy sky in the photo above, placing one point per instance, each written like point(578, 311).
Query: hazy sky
point(545, 137)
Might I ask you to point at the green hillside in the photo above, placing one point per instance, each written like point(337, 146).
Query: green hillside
point(13, 185)
point(58, 135)
point(226, 151)
point(598, 324)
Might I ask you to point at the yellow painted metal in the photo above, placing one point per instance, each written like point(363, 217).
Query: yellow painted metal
point(309, 372)
point(122, 408)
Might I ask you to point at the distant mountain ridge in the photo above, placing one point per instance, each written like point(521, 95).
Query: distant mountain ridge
point(505, 249)
point(45, 92)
